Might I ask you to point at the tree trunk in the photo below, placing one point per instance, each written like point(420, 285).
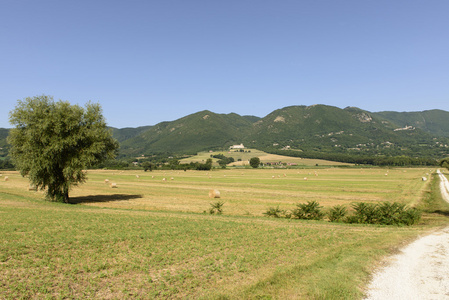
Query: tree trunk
point(66, 193)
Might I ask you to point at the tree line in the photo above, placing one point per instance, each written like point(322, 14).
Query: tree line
point(396, 161)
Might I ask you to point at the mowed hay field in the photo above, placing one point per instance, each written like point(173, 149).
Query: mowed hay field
point(242, 158)
point(149, 238)
point(248, 191)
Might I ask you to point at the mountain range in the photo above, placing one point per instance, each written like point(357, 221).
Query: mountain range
point(319, 128)
point(316, 128)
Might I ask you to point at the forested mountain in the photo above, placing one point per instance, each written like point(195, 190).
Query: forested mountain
point(127, 133)
point(316, 128)
point(190, 134)
point(307, 129)
point(3, 134)
point(435, 122)
point(321, 127)
point(321, 130)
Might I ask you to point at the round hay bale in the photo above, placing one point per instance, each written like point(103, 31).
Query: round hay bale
point(172, 178)
point(164, 179)
point(6, 178)
point(137, 176)
point(106, 181)
point(305, 178)
point(113, 185)
point(424, 179)
point(214, 194)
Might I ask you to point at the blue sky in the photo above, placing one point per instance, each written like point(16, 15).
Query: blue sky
point(152, 61)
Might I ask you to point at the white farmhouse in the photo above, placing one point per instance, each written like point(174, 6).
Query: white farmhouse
point(237, 147)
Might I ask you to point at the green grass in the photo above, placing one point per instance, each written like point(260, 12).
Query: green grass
point(113, 248)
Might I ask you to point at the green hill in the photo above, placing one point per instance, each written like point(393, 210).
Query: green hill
point(200, 131)
point(322, 128)
point(3, 144)
point(317, 129)
point(435, 122)
point(124, 134)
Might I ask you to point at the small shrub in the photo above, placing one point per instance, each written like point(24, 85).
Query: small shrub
point(308, 211)
point(386, 214)
point(287, 214)
point(390, 213)
point(365, 213)
point(216, 207)
point(337, 213)
point(410, 216)
point(274, 212)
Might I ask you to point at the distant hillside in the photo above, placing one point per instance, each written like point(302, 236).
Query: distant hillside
point(322, 128)
point(319, 129)
point(3, 135)
point(252, 119)
point(124, 134)
point(435, 122)
point(3, 144)
point(190, 134)
point(316, 128)
point(312, 126)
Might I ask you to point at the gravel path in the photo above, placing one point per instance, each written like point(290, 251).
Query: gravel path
point(420, 271)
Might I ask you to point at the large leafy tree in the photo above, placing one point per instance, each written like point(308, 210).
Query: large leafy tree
point(53, 142)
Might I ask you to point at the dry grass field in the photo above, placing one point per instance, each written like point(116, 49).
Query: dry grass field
point(244, 191)
point(149, 238)
point(247, 192)
point(242, 158)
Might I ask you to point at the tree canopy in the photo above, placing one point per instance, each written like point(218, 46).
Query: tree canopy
point(445, 163)
point(254, 162)
point(53, 142)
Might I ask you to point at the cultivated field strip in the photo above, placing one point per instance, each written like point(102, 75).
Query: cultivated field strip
point(245, 192)
point(251, 192)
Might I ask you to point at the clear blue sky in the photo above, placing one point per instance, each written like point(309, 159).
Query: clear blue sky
point(152, 61)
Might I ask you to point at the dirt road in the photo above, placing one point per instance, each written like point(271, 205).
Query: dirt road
point(420, 271)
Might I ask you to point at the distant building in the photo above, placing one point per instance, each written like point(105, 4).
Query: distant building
point(405, 128)
point(237, 147)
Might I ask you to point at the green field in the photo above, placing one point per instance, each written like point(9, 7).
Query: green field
point(150, 238)
point(242, 159)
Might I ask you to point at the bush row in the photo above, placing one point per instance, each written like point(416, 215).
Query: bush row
point(385, 213)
